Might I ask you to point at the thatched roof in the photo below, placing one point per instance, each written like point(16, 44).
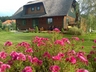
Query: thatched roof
point(52, 8)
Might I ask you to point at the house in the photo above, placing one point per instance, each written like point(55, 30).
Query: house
point(47, 14)
point(8, 22)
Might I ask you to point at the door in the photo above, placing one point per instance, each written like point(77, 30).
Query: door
point(35, 23)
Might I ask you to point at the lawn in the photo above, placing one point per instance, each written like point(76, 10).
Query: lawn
point(44, 54)
point(20, 37)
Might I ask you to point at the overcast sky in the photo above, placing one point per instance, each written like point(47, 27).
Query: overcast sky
point(8, 7)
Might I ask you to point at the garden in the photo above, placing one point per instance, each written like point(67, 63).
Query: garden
point(47, 52)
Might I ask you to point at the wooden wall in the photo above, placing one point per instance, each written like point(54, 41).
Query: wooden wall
point(57, 22)
point(29, 11)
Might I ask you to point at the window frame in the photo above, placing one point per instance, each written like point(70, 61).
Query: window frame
point(32, 8)
point(37, 8)
point(50, 21)
point(23, 22)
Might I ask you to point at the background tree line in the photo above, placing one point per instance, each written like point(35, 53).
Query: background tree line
point(88, 12)
point(4, 18)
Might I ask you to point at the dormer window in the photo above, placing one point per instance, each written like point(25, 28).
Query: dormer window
point(38, 7)
point(32, 8)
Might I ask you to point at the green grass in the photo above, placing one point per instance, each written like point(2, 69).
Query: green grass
point(19, 37)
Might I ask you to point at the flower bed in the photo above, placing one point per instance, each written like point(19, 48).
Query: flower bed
point(47, 55)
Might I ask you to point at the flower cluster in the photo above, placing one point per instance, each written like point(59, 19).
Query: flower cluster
point(45, 55)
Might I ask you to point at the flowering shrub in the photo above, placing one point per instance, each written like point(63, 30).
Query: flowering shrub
point(92, 57)
point(46, 55)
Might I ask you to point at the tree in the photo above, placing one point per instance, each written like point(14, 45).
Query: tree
point(4, 18)
point(0, 24)
point(13, 25)
point(88, 11)
point(87, 6)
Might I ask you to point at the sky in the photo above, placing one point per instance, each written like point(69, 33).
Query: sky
point(9, 7)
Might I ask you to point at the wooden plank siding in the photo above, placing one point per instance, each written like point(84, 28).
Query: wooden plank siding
point(57, 22)
point(70, 22)
point(29, 11)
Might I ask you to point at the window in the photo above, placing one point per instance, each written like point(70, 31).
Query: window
point(50, 20)
point(23, 22)
point(72, 10)
point(32, 8)
point(38, 7)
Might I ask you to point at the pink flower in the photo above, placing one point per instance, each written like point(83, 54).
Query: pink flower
point(95, 41)
point(3, 55)
point(93, 47)
point(89, 56)
point(10, 62)
point(35, 60)
point(56, 57)
point(60, 42)
point(8, 43)
point(66, 40)
point(29, 50)
point(82, 57)
point(95, 59)
point(60, 54)
point(54, 68)
point(40, 41)
point(73, 52)
point(82, 47)
point(75, 38)
point(21, 56)
point(56, 30)
point(14, 55)
point(67, 59)
point(29, 58)
point(92, 52)
point(18, 56)
point(39, 62)
point(1, 63)
point(24, 44)
point(46, 54)
point(27, 69)
point(4, 67)
point(72, 60)
point(82, 70)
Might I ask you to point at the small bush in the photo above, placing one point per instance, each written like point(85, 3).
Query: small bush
point(36, 29)
point(75, 31)
point(62, 30)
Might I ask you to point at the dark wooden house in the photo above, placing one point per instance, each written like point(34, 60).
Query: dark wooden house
point(46, 13)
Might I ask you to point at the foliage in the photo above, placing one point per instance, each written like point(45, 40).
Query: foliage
point(92, 57)
point(87, 11)
point(0, 24)
point(36, 29)
point(62, 30)
point(75, 31)
point(83, 24)
point(13, 26)
point(4, 18)
point(44, 55)
point(5, 28)
point(87, 6)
